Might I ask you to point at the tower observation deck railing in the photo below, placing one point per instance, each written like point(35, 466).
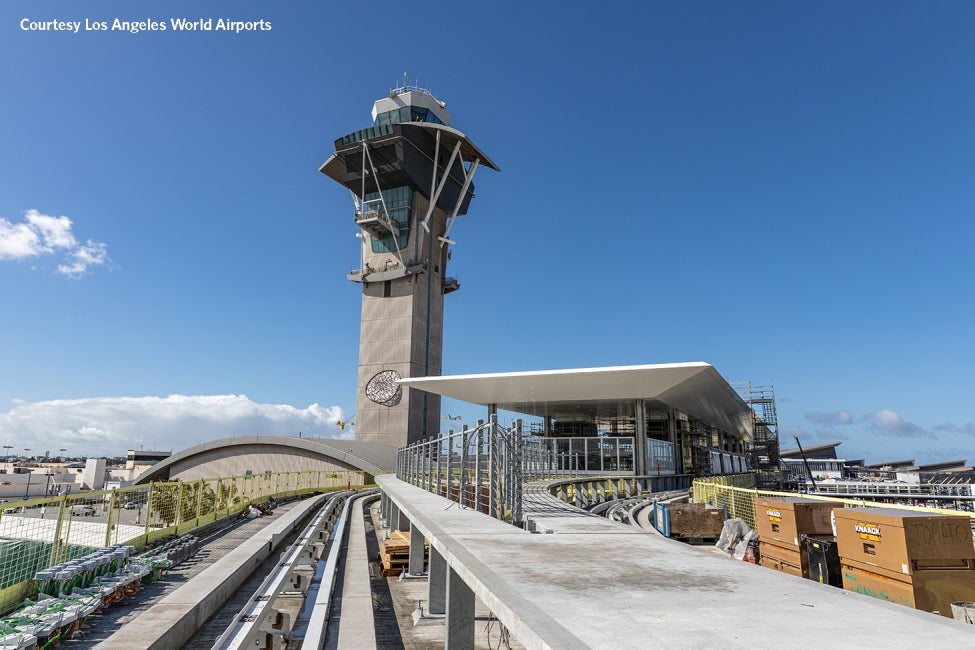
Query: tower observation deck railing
point(45, 531)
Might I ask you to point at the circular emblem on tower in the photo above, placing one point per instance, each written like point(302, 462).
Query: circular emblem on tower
point(384, 388)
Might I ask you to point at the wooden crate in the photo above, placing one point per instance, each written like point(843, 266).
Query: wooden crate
point(394, 553)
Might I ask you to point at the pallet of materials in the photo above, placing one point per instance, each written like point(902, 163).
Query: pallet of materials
point(394, 553)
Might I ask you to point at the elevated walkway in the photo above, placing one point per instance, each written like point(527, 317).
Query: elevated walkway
point(596, 584)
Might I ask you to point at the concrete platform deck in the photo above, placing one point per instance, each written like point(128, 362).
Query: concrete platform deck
point(597, 584)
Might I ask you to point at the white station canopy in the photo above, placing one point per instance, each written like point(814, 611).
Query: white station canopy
point(694, 388)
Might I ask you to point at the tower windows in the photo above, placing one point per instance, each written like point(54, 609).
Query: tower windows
point(399, 207)
point(407, 114)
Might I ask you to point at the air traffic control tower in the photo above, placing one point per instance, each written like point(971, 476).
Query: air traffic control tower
point(410, 178)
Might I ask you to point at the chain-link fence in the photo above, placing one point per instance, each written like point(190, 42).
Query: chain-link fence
point(42, 532)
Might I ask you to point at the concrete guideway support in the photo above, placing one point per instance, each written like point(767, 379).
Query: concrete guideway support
point(416, 551)
point(437, 585)
point(460, 613)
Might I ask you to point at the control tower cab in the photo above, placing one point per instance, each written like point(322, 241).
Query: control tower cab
point(410, 176)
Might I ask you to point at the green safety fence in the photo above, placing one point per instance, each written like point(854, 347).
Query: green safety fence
point(46, 531)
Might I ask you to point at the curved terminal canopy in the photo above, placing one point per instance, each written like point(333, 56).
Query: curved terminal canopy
point(243, 454)
point(694, 388)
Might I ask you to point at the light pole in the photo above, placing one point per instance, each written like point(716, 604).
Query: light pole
point(61, 457)
point(6, 452)
point(27, 491)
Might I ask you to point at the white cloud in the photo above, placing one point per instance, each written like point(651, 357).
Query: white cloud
point(92, 253)
point(41, 234)
point(890, 422)
point(835, 418)
point(967, 428)
point(108, 426)
point(18, 241)
point(55, 232)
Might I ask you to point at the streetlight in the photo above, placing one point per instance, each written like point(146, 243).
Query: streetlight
point(6, 453)
point(27, 491)
point(62, 450)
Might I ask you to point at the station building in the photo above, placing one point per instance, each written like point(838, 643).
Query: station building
point(677, 418)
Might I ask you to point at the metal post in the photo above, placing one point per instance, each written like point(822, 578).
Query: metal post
point(517, 476)
point(450, 456)
point(462, 489)
point(492, 471)
point(478, 477)
point(439, 446)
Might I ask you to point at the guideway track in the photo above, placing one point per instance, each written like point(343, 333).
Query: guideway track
point(174, 618)
point(266, 620)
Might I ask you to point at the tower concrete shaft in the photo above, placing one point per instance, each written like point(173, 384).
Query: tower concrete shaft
point(410, 176)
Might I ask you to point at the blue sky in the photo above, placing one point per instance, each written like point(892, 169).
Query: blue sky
point(781, 189)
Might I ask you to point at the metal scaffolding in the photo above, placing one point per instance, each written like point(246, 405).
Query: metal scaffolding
point(763, 448)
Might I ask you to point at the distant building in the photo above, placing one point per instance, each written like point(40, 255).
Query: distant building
point(141, 459)
point(93, 476)
point(827, 450)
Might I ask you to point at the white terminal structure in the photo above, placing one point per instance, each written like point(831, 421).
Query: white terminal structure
point(410, 176)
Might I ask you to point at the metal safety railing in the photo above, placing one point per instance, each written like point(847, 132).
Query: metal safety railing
point(481, 468)
point(43, 532)
point(484, 467)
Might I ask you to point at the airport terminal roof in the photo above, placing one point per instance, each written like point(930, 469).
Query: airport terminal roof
point(827, 450)
point(369, 457)
point(694, 388)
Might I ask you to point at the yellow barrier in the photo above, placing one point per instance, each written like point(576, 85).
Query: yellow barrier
point(739, 502)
